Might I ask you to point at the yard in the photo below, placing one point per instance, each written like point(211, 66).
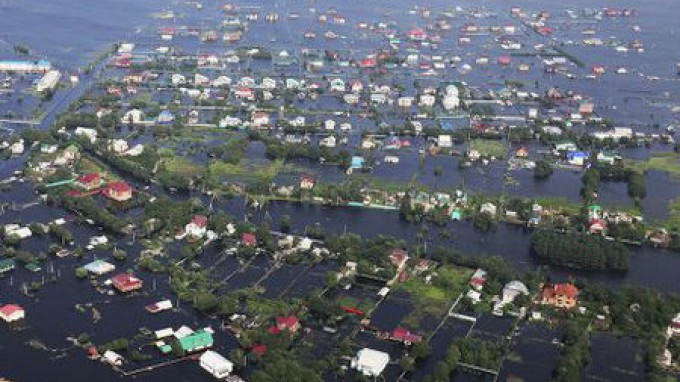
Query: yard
point(663, 161)
point(494, 148)
point(434, 299)
point(246, 171)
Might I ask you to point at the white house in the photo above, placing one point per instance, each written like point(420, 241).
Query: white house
point(337, 85)
point(269, 83)
point(17, 231)
point(427, 100)
point(135, 150)
point(329, 124)
point(215, 364)
point(17, 147)
point(197, 227)
point(247, 82)
point(450, 102)
point(305, 244)
point(370, 363)
point(293, 84)
point(133, 116)
point(91, 134)
point(378, 98)
point(112, 358)
point(119, 146)
point(49, 81)
point(221, 81)
point(178, 79)
point(444, 141)
point(329, 141)
point(230, 122)
point(510, 291)
point(201, 80)
point(488, 208)
point(298, 121)
point(405, 101)
point(260, 119)
point(351, 98)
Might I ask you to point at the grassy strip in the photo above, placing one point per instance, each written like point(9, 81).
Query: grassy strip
point(490, 147)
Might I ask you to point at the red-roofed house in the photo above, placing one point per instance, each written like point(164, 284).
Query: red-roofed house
point(504, 60)
point(290, 323)
point(522, 152)
point(357, 86)
point(125, 282)
point(597, 226)
point(674, 326)
point(560, 295)
point(90, 181)
point(12, 312)
point(259, 350)
point(399, 257)
point(368, 63)
point(478, 279)
point(417, 34)
point(249, 239)
point(259, 119)
point(307, 182)
point(404, 335)
point(545, 31)
point(197, 227)
point(120, 191)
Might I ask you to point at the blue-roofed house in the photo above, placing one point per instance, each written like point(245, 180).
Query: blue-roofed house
point(357, 162)
point(577, 158)
point(99, 267)
point(41, 66)
point(165, 118)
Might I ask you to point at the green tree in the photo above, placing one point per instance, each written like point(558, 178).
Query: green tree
point(543, 169)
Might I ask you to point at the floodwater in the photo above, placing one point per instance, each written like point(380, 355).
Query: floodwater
point(72, 32)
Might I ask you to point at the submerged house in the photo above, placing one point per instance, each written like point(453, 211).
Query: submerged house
point(215, 364)
point(577, 158)
point(12, 313)
point(125, 282)
point(192, 343)
point(165, 118)
point(370, 363)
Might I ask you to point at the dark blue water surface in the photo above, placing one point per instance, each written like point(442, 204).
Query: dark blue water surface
point(72, 32)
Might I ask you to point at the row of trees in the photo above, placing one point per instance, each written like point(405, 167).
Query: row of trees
point(278, 150)
point(88, 208)
point(580, 251)
point(574, 355)
point(637, 185)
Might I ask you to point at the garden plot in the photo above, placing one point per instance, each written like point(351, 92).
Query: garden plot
point(533, 354)
point(614, 359)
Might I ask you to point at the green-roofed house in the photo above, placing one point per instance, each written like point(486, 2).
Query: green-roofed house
point(608, 156)
point(197, 341)
point(6, 265)
point(594, 211)
point(72, 152)
point(33, 267)
point(164, 348)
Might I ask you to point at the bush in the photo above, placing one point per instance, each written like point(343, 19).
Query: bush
point(81, 273)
